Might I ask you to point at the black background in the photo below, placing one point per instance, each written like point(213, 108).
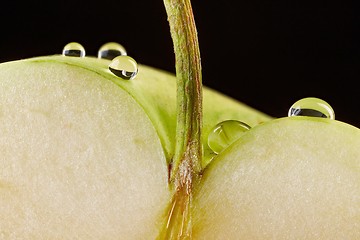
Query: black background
point(267, 54)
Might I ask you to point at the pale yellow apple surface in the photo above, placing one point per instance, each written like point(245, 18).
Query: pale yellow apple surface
point(79, 158)
point(85, 154)
point(292, 178)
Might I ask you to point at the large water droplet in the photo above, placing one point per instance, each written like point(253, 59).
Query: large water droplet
point(224, 133)
point(111, 50)
point(74, 49)
point(312, 107)
point(124, 67)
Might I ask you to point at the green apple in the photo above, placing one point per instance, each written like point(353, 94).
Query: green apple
point(86, 154)
point(290, 178)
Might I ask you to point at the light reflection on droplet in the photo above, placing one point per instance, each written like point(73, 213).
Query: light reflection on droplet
point(111, 50)
point(73, 49)
point(124, 67)
point(224, 133)
point(312, 107)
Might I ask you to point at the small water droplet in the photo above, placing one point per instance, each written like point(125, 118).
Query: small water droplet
point(224, 133)
point(73, 49)
point(111, 50)
point(312, 107)
point(124, 67)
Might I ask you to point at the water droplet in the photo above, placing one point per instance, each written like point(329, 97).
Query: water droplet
point(224, 133)
point(74, 49)
point(124, 67)
point(111, 50)
point(312, 107)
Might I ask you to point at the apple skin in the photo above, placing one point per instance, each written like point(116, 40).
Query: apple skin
point(290, 178)
point(86, 154)
point(155, 91)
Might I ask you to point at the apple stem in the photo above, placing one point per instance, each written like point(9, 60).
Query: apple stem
point(186, 164)
point(188, 149)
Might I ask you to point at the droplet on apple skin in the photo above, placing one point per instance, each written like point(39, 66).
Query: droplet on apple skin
point(224, 133)
point(111, 50)
point(311, 107)
point(124, 67)
point(73, 49)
